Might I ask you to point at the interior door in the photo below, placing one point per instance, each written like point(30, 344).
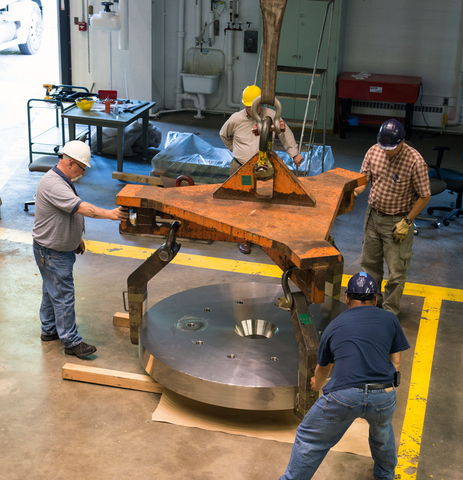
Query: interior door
point(300, 37)
point(288, 55)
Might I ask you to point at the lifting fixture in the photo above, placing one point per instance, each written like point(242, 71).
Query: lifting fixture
point(216, 344)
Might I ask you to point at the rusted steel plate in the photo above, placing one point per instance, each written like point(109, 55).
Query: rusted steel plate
point(299, 233)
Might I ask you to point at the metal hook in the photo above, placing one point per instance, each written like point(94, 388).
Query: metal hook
point(168, 251)
point(286, 302)
point(255, 113)
point(265, 140)
point(258, 119)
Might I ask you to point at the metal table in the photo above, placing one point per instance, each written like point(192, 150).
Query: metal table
point(99, 119)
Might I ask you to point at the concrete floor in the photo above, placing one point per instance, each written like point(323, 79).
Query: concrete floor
point(55, 429)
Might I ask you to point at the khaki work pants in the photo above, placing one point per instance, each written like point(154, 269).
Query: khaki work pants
point(379, 247)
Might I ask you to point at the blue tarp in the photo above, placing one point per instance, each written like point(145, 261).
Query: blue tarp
point(187, 154)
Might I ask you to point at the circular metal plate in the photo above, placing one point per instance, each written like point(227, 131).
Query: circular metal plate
point(226, 345)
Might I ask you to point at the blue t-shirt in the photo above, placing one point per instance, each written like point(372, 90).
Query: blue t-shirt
point(358, 342)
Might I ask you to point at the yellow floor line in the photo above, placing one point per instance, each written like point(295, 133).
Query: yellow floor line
point(412, 430)
point(410, 440)
point(189, 260)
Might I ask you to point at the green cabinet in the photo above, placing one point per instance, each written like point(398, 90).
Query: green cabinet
point(299, 42)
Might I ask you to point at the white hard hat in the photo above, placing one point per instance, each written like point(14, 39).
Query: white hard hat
point(79, 151)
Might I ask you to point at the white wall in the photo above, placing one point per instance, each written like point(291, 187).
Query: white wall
point(407, 37)
point(244, 64)
point(127, 71)
point(149, 70)
point(403, 37)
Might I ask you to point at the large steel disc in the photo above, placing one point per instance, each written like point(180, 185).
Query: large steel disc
point(227, 345)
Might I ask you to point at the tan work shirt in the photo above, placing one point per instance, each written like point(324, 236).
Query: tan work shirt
point(237, 136)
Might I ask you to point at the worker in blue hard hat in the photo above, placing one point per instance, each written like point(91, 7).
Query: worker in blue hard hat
point(399, 190)
point(365, 345)
point(237, 135)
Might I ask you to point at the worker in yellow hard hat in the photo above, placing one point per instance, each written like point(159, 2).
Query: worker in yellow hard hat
point(238, 137)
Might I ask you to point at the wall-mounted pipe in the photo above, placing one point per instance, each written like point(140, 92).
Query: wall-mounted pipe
point(211, 28)
point(124, 31)
point(230, 79)
point(180, 53)
point(199, 24)
point(456, 119)
point(198, 100)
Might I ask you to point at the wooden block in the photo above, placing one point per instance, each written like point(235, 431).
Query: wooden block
point(133, 177)
point(121, 320)
point(111, 378)
point(158, 172)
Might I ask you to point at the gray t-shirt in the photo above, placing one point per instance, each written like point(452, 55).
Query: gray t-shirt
point(57, 224)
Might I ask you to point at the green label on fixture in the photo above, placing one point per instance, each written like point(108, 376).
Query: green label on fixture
point(246, 180)
point(305, 319)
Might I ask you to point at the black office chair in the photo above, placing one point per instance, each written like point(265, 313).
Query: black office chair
point(42, 164)
point(454, 181)
point(437, 186)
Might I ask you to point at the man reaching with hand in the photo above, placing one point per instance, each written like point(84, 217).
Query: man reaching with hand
point(57, 234)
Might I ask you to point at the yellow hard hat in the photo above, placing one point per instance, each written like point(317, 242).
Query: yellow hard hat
point(250, 94)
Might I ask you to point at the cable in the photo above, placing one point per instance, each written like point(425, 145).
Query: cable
point(423, 135)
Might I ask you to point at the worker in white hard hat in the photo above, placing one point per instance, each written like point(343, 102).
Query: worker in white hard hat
point(57, 234)
point(238, 137)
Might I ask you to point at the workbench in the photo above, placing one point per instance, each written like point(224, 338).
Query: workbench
point(376, 88)
point(101, 119)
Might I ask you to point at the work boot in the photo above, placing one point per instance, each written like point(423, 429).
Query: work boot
point(49, 338)
point(81, 350)
point(245, 248)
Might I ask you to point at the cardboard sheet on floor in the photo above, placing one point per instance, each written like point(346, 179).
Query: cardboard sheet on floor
point(279, 426)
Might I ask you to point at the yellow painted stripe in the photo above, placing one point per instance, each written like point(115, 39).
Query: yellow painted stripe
point(412, 430)
point(214, 263)
point(189, 260)
point(410, 441)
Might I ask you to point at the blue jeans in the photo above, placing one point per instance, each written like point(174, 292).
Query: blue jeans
point(330, 417)
point(57, 310)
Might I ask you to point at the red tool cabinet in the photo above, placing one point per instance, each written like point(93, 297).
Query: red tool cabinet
point(377, 87)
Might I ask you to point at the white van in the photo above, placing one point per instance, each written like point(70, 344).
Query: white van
point(21, 24)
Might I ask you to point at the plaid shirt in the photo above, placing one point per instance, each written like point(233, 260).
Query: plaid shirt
point(397, 182)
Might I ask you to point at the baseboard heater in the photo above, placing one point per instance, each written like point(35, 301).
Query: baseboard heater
point(433, 114)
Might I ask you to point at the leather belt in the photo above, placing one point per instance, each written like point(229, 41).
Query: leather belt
point(374, 386)
point(382, 214)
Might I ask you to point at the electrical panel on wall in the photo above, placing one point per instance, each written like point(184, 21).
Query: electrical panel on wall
point(250, 41)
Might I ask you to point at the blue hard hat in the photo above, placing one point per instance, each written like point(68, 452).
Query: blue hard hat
point(390, 134)
point(362, 283)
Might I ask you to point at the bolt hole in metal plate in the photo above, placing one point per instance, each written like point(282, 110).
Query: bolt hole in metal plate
point(227, 345)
